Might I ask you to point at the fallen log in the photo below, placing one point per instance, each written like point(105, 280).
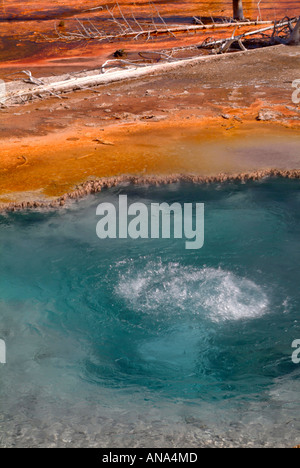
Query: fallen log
point(221, 42)
point(127, 34)
point(294, 38)
point(85, 82)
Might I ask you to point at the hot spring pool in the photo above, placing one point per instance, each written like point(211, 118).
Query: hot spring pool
point(142, 343)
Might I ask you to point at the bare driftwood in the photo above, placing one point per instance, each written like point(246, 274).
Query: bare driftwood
point(294, 38)
point(223, 45)
point(101, 78)
point(142, 32)
point(36, 81)
point(285, 33)
point(132, 28)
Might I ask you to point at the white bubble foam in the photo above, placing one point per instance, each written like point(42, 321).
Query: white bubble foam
point(173, 289)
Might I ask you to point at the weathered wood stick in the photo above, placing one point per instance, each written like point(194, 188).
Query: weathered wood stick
point(250, 33)
point(187, 28)
point(295, 35)
point(90, 81)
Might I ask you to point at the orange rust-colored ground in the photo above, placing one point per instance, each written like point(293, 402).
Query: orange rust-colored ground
point(28, 38)
point(201, 119)
point(44, 169)
point(204, 119)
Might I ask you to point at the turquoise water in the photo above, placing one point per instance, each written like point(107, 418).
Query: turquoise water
point(143, 343)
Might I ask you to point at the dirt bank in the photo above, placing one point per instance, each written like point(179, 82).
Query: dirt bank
point(233, 114)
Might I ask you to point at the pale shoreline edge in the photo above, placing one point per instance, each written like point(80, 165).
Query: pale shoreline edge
point(96, 185)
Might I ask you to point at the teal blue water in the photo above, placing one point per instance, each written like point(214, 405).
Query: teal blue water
point(144, 343)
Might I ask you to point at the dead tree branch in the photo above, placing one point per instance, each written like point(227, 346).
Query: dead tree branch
point(294, 38)
point(223, 45)
point(101, 77)
point(132, 28)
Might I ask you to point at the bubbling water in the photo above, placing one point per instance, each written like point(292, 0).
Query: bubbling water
point(119, 343)
point(175, 289)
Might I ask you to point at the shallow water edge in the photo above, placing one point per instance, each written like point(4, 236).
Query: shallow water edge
point(96, 185)
point(120, 344)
